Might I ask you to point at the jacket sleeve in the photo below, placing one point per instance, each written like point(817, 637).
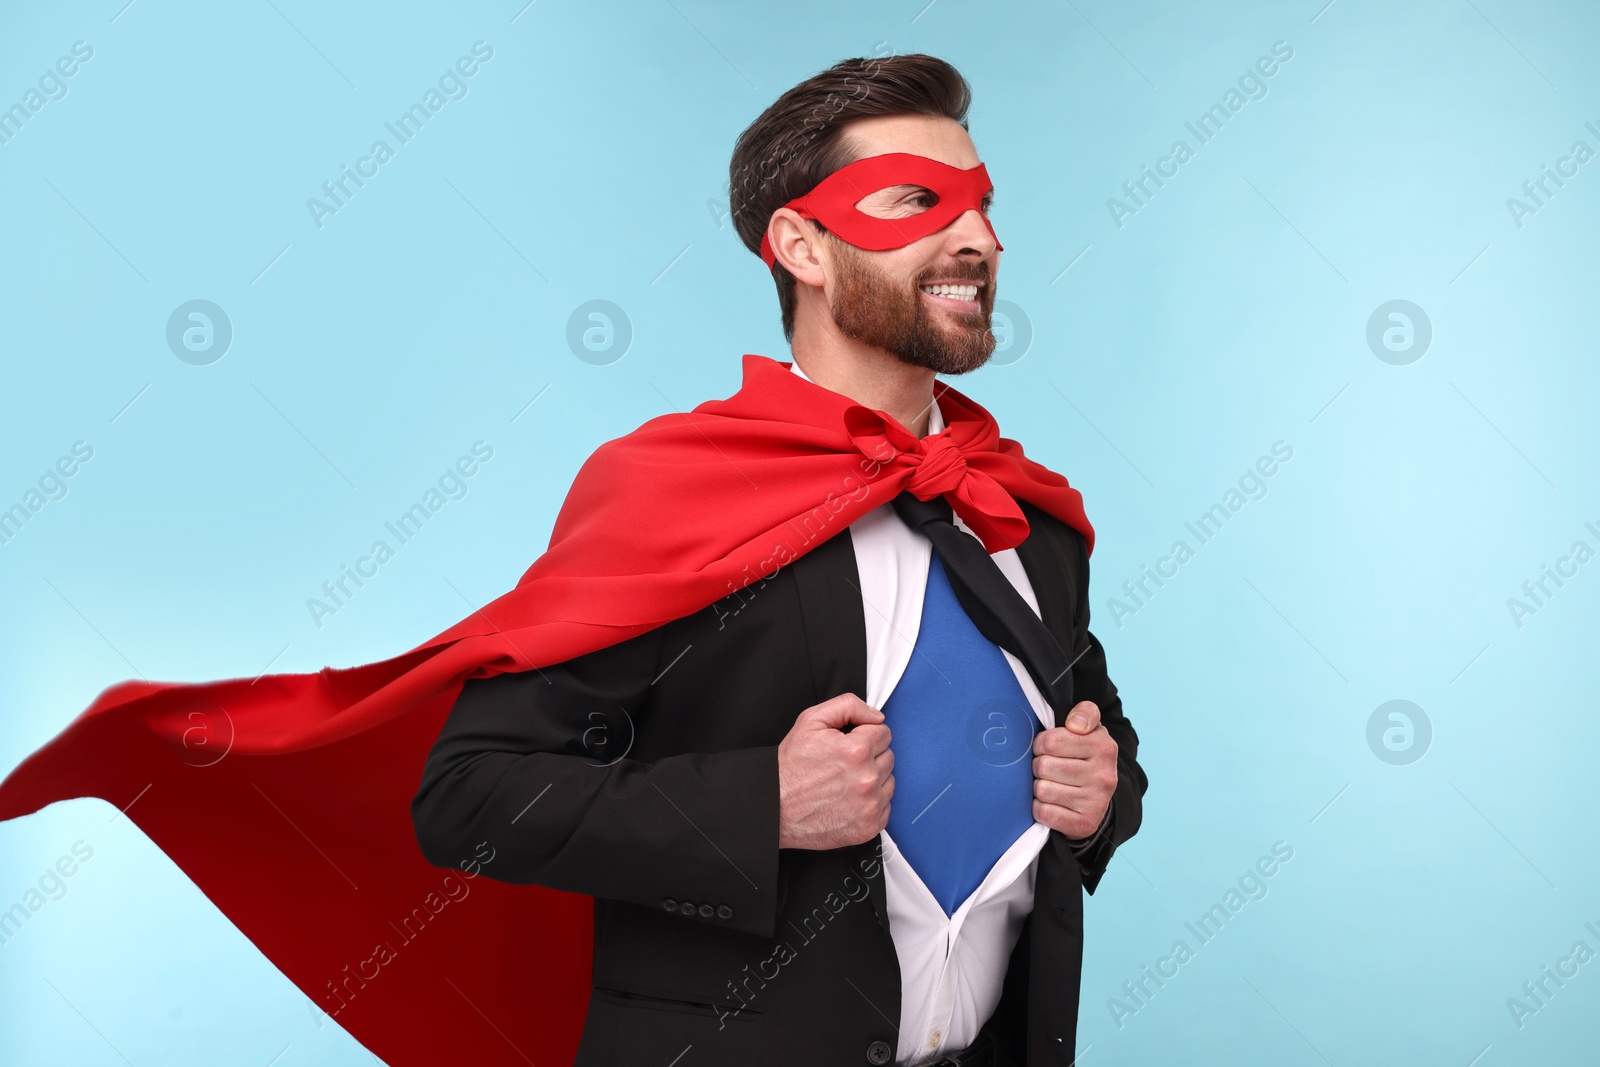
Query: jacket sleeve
point(536, 763)
point(1090, 682)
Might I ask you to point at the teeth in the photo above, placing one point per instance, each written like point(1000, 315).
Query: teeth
point(959, 292)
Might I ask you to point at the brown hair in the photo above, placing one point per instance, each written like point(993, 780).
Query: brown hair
point(798, 141)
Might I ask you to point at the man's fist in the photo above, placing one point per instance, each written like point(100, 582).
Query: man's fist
point(834, 787)
point(1074, 773)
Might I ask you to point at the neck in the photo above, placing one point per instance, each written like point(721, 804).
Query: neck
point(871, 377)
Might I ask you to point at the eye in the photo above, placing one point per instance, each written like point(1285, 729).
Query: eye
point(923, 198)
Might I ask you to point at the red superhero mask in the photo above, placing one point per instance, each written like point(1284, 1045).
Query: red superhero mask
point(833, 201)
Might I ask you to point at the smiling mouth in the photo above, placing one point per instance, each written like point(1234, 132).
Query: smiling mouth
point(958, 297)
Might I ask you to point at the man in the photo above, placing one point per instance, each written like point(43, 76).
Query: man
point(843, 814)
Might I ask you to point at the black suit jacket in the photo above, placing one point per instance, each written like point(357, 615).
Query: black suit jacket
point(646, 775)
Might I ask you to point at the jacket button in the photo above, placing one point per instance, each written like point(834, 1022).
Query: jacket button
point(707, 911)
point(878, 1052)
point(686, 908)
point(724, 912)
point(668, 904)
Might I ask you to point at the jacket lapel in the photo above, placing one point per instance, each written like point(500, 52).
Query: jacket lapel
point(833, 616)
point(835, 623)
point(1054, 957)
point(1049, 572)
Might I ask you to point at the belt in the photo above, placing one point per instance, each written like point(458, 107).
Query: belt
point(981, 1053)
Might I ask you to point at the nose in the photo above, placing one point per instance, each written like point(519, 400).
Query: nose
point(972, 231)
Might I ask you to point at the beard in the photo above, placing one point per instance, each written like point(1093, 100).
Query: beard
point(892, 315)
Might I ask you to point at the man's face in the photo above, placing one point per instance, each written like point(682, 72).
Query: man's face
point(897, 300)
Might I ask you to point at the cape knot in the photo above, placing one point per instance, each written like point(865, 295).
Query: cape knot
point(934, 465)
point(940, 468)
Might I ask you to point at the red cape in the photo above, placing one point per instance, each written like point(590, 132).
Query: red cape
point(287, 799)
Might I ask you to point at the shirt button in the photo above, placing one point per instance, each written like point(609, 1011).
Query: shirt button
point(668, 904)
point(878, 1053)
point(686, 908)
point(707, 911)
point(724, 912)
point(933, 1039)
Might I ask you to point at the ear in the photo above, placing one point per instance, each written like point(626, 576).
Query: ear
point(795, 245)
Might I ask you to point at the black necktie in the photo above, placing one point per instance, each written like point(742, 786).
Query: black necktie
point(991, 601)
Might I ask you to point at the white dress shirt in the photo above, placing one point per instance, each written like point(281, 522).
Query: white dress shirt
point(951, 967)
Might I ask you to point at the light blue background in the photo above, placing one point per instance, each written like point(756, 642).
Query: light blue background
point(589, 161)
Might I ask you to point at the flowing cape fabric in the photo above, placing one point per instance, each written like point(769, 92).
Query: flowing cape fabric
point(286, 798)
